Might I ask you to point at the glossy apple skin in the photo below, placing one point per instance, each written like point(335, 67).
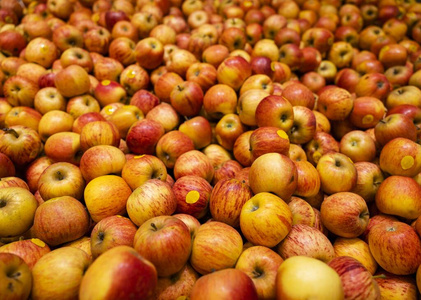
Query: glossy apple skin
point(308, 241)
point(224, 284)
point(396, 247)
point(356, 280)
point(143, 136)
point(16, 278)
point(29, 250)
point(119, 273)
point(216, 246)
point(166, 242)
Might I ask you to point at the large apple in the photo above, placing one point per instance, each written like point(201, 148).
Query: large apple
point(131, 275)
point(58, 274)
point(302, 277)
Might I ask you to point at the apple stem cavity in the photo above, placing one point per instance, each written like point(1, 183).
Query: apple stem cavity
point(154, 228)
point(11, 131)
point(2, 203)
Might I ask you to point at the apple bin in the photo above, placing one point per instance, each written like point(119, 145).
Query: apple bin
point(202, 149)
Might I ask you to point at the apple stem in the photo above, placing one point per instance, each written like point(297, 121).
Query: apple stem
point(11, 131)
point(382, 276)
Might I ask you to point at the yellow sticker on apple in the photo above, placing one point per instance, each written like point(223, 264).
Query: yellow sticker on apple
point(282, 134)
point(38, 242)
point(316, 156)
point(132, 74)
point(367, 119)
point(109, 109)
point(105, 82)
point(247, 4)
point(407, 162)
point(192, 197)
point(139, 156)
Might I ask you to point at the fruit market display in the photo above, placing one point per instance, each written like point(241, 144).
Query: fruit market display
point(210, 149)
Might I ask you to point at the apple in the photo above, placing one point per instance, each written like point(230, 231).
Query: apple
point(107, 68)
point(72, 81)
point(275, 111)
point(335, 103)
point(220, 100)
point(20, 91)
point(106, 196)
point(308, 182)
point(156, 240)
point(134, 78)
point(171, 145)
point(336, 167)
point(63, 268)
point(80, 105)
point(54, 121)
point(223, 207)
point(358, 146)
point(187, 98)
point(151, 199)
point(61, 179)
point(350, 222)
point(273, 172)
point(18, 207)
point(78, 56)
point(367, 112)
point(357, 281)
point(404, 95)
point(12, 42)
point(8, 168)
point(99, 133)
point(139, 169)
point(228, 129)
point(231, 283)
point(30, 250)
point(192, 194)
point(41, 51)
point(13, 181)
point(109, 91)
point(144, 135)
point(101, 160)
point(16, 277)
point(60, 220)
point(25, 116)
point(299, 95)
point(216, 246)
point(369, 178)
point(131, 274)
point(111, 232)
point(406, 195)
point(145, 100)
point(124, 117)
point(267, 139)
point(165, 114)
point(257, 81)
point(233, 71)
point(355, 248)
point(194, 162)
point(392, 285)
point(302, 277)
point(165, 84)
point(394, 126)
point(304, 124)
point(261, 265)
point(265, 219)
point(401, 243)
point(199, 130)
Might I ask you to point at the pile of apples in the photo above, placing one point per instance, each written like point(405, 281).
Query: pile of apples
point(210, 149)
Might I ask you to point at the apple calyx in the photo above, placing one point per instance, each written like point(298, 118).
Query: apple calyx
point(257, 272)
